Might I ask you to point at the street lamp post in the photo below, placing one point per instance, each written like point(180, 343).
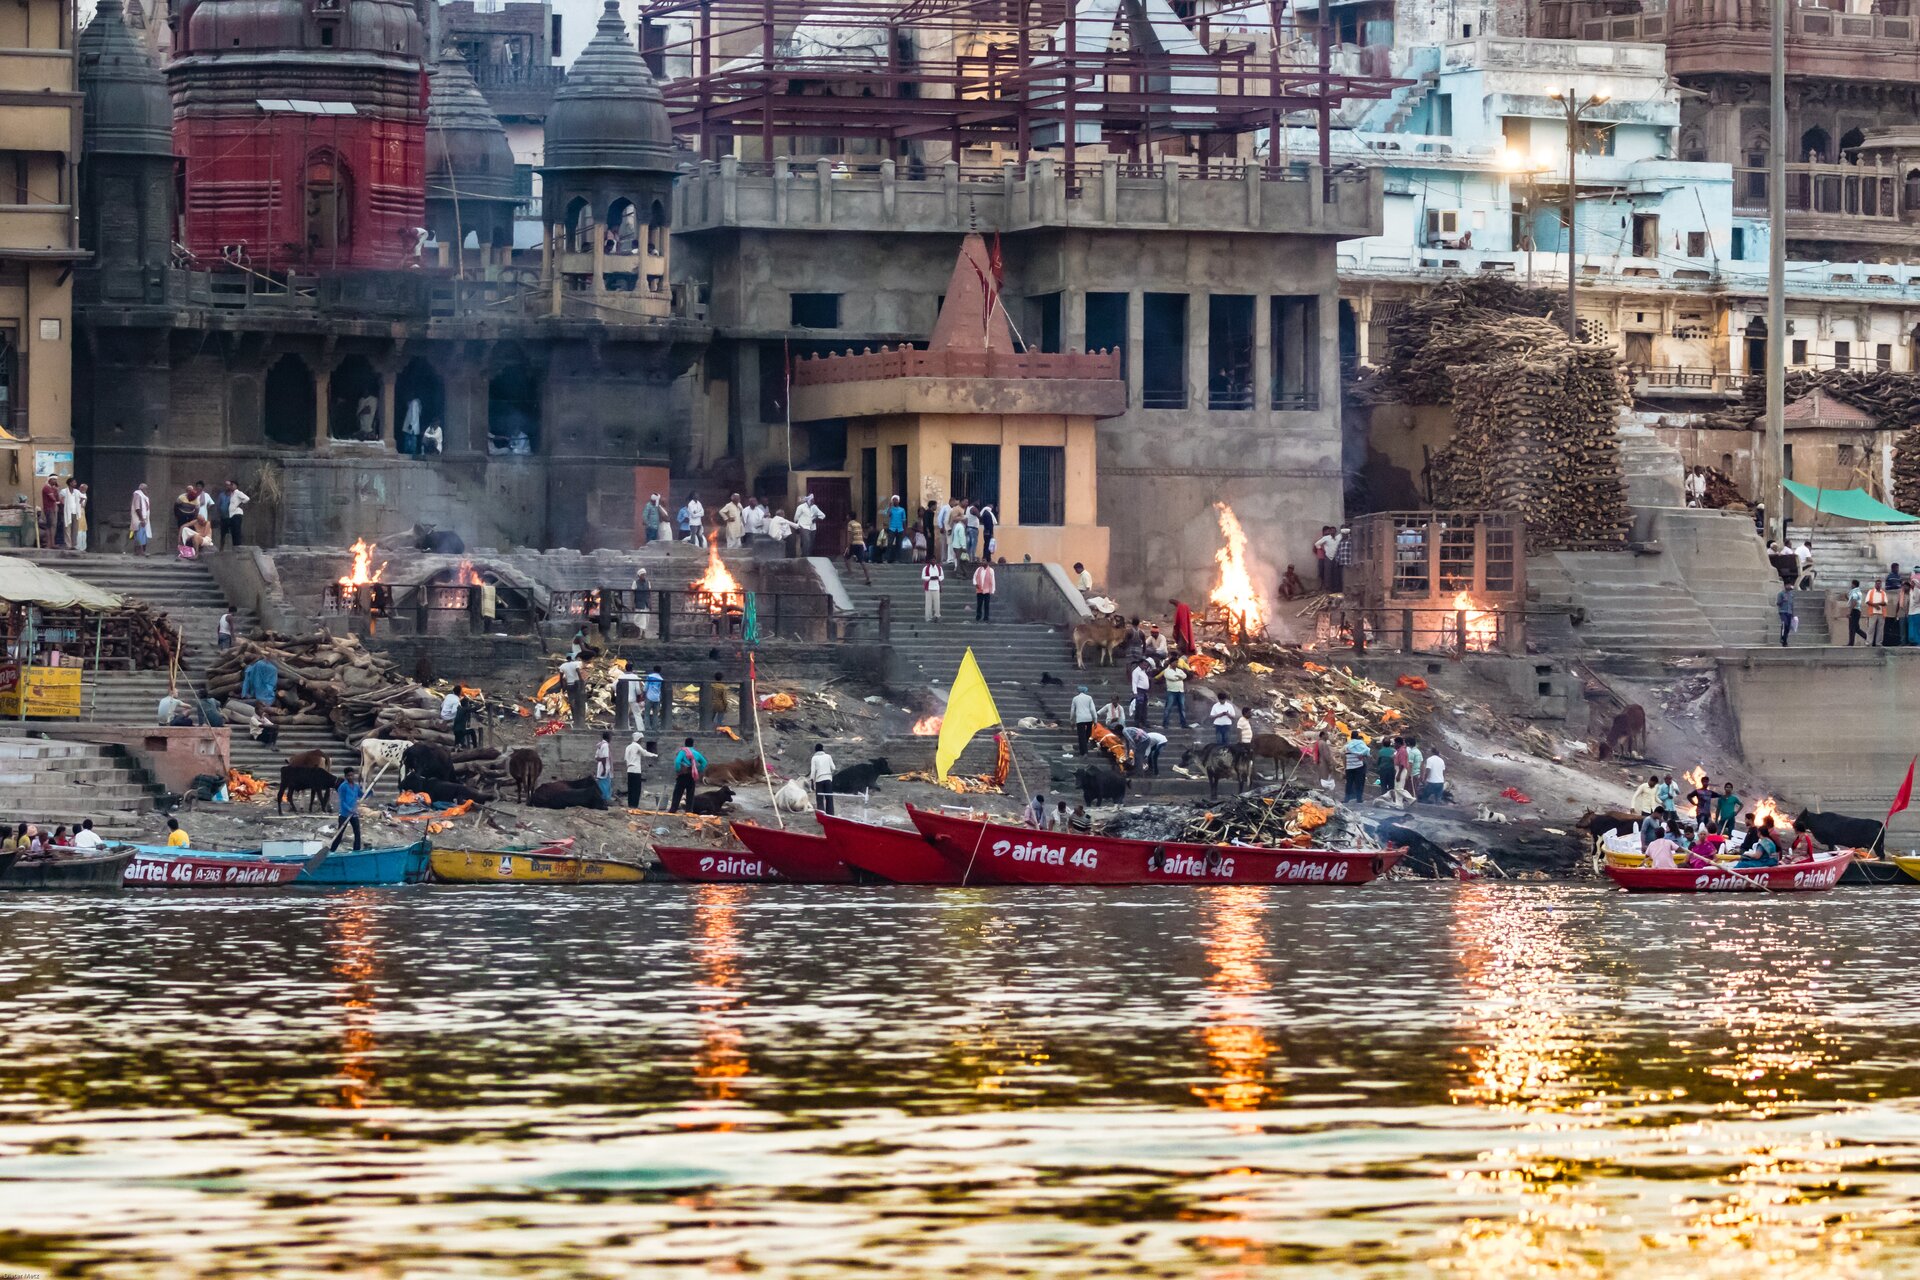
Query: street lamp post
point(1576, 108)
point(1519, 165)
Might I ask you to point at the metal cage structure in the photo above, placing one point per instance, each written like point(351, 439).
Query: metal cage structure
point(1452, 582)
point(1025, 75)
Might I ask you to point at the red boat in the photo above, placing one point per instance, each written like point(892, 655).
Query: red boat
point(995, 853)
point(716, 866)
point(155, 866)
point(804, 857)
point(1795, 877)
point(903, 857)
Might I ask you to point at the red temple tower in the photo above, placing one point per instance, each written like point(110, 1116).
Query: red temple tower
point(302, 128)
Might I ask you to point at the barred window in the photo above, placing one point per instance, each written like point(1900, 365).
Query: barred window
point(1043, 484)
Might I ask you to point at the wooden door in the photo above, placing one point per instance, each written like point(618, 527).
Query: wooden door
point(834, 496)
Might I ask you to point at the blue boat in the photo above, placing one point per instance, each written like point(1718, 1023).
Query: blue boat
point(399, 864)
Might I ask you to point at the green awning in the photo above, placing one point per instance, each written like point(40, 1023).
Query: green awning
point(1848, 504)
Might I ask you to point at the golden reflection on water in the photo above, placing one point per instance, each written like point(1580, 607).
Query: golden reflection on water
point(721, 1059)
point(356, 962)
point(1234, 936)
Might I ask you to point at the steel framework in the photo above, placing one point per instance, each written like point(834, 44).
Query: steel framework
point(1033, 85)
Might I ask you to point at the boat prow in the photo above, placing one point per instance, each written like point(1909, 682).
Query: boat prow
point(902, 856)
point(804, 857)
point(703, 864)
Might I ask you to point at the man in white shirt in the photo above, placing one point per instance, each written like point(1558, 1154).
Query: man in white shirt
point(756, 517)
point(820, 774)
point(141, 514)
point(1434, 789)
point(1083, 715)
point(1323, 548)
point(71, 505)
point(449, 707)
point(1081, 578)
point(930, 575)
point(779, 528)
point(237, 502)
point(807, 518)
point(626, 699)
point(86, 837)
point(571, 680)
point(202, 500)
point(733, 518)
point(696, 522)
point(637, 757)
point(223, 631)
point(983, 586)
point(603, 766)
point(1224, 716)
point(1142, 681)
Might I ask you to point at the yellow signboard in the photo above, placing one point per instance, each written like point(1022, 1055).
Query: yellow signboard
point(51, 692)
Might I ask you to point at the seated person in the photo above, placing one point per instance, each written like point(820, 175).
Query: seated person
point(1661, 852)
point(1801, 846)
point(1765, 853)
point(1706, 848)
point(195, 536)
point(1291, 588)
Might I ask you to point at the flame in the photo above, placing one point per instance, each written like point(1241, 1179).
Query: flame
point(1236, 595)
point(467, 576)
point(927, 726)
point(1768, 807)
point(1695, 776)
point(363, 571)
point(716, 581)
point(1483, 629)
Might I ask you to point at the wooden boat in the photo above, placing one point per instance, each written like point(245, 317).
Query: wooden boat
point(904, 857)
point(103, 870)
point(179, 867)
point(1867, 869)
point(998, 853)
point(804, 857)
point(1907, 863)
point(553, 863)
point(704, 864)
point(1794, 877)
point(397, 864)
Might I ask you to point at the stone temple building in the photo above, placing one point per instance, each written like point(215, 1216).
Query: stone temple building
point(345, 332)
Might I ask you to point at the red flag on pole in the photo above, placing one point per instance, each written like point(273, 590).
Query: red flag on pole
point(998, 263)
point(1905, 795)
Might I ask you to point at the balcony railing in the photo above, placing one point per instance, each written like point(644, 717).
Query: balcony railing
point(1843, 190)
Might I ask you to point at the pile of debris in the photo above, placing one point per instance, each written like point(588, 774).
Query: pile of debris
point(327, 680)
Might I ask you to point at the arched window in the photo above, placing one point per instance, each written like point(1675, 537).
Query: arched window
point(579, 219)
point(656, 231)
point(1816, 146)
point(1850, 143)
point(1910, 198)
point(287, 408)
point(623, 230)
point(329, 206)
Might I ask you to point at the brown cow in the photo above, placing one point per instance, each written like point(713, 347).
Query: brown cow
point(734, 772)
point(524, 766)
point(1280, 750)
point(310, 760)
point(1628, 729)
point(1105, 636)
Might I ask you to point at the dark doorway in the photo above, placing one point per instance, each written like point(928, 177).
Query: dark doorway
point(513, 411)
point(898, 459)
point(1756, 347)
point(353, 400)
point(1816, 146)
point(834, 496)
point(286, 409)
point(1163, 353)
point(976, 474)
point(869, 486)
point(420, 400)
point(1046, 323)
point(1107, 325)
point(1230, 351)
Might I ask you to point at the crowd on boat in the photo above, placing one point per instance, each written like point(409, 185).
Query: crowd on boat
point(30, 838)
point(1717, 831)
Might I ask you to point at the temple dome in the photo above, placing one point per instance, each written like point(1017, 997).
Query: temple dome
point(609, 114)
point(357, 26)
point(127, 109)
point(467, 152)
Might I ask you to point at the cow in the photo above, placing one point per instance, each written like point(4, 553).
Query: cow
point(377, 754)
point(425, 762)
point(856, 778)
point(1608, 822)
point(309, 760)
point(1281, 750)
point(1232, 760)
point(524, 766)
point(1629, 728)
point(581, 793)
point(451, 792)
point(735, 771)
point(1105, 636)
point(443, 542)
point(1100, 785)
point(794, 796)
point(1838, 831)
point(711, 802)
point(298, 779)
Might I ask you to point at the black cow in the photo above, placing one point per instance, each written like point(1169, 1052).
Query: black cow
point(581, 793)
point(439, 541)
point(861, 777)
point(299, 779)
point(1100, 786)
point(711, 802)
point(425, 762)
point(451, 792)
point(1838, 831)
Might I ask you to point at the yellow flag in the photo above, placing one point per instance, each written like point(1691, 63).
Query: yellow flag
point(969, 710)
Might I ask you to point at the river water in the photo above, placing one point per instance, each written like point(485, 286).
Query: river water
point(1401, 1080)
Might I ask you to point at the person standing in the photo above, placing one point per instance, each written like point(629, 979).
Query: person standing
point(1645, 798)
point(713, 703)
point(983, 587)
point(1383, 763)
point(140, 519)
point(930, 575)
point(575, 685)
point(896, 528)
point(236, 503)
point(1082, 714)
point(1854, 599)
point(652, 516)
point(71, 507)
point(1183, 627)
point(626, 699)
point(1894, 633)
point(1357, 756)
point(1434, 789)
point(603, 766)
point(1142, 683)
point(52, 514)
point(202, 501)
point(223, 631)
point(637, 756)
point(1876, 612)
point(688, 765)
point(806, 519)
point(348, 806)
point(1784, 603)
point(1323, 556)
point(1175, 676)
point(653, 717)
point(696, 521)
point(733, 519)
point(820, 775)
point(1224, 715)
point(756, 520)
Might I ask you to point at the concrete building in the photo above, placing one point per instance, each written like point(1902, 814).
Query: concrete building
point(1219, 292)
point(40, 115)
point(971, 418)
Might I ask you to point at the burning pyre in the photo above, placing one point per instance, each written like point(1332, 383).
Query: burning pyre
point(716, 588)
point(363, 573)
point(1235, 593)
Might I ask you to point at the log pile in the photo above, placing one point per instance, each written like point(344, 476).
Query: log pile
point(1892, 398)
point(1906, 471)
point(333, 681)
point(1722, 493)
point(1412, 373)
point(152, 642)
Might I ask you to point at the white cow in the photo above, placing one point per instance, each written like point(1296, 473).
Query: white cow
point(377, 754)
point(794, 796)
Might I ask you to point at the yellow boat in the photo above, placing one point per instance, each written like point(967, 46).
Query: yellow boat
point(1907, 862)
point(531, 864)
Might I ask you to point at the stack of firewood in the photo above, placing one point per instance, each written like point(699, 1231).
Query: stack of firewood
point(1423, 339)
point(1722, 492)
point(1906, 471)
point(151, 638)
point(325, 680)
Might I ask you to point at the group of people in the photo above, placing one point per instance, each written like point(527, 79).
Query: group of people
point(1332, 553)
point(1058, 818)
point(1404, 773)
point(202, 518)
point(29, 840)
point(739, 523)
point(1671, 842)
point(63, 514)
point(1886, 612)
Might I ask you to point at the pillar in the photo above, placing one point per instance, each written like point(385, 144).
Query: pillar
point(389, 377)
point(322, 419)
